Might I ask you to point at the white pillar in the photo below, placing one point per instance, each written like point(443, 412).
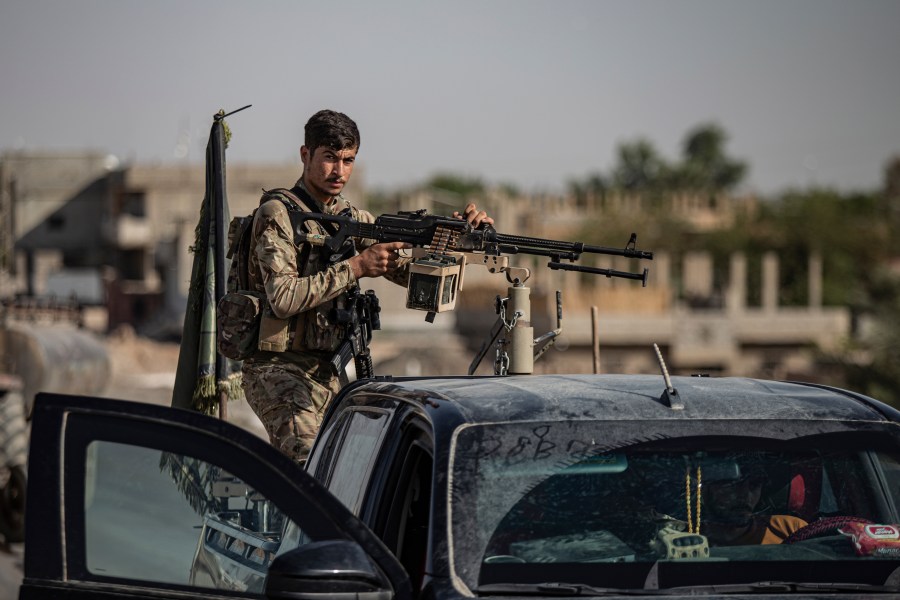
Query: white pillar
point(737, 284)
point(815, 280)
point(770, 282)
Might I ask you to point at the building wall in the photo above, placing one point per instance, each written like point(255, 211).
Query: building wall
point(51, 205)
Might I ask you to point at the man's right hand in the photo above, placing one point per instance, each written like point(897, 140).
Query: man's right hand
point(377, 259)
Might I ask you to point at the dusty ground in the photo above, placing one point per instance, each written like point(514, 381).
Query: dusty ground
point(143, 370)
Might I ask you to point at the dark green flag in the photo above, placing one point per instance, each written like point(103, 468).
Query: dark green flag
point(204, 379)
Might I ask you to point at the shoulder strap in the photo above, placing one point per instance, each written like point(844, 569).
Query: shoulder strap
point(240, 232)
point(297, 194)
point(303, 202)
point(302, 199)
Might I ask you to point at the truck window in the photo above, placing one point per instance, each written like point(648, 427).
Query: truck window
point(354, 459)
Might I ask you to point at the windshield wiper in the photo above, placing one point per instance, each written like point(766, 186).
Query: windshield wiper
point(786, 586)
point(559, 589)
point(578, 589)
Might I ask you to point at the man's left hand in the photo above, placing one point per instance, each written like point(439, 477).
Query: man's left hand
point(474, 216)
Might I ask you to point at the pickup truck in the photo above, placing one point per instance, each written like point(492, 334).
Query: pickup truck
point(489, 487)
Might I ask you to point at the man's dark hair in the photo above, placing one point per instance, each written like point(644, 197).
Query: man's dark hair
point(330, 129)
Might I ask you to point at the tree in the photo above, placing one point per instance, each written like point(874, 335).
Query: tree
point(891, 200)
point(594, 184)
point(871, 364)
point(640, 167)
point(892, 181)
point(705, 166)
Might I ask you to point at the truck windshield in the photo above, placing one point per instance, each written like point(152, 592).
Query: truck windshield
point(615, 507)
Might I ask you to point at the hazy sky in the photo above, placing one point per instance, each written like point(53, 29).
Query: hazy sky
point(526, 92)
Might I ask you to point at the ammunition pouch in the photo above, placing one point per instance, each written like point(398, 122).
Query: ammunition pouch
point(238, 321)
point(246, 324)
point(275, 334)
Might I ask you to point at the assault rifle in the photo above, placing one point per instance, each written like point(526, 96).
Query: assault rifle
point(443, 246)
point(360, 318)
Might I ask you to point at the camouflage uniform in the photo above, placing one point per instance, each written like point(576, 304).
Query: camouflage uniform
point(289, 391)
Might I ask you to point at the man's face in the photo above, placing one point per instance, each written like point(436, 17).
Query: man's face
point(732, 501)
point(326, 171)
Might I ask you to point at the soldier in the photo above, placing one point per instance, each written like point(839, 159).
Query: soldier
point(290, 390)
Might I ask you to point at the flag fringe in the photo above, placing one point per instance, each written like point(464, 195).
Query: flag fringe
point(206, 394)
point(206, 398)
point(232, 386)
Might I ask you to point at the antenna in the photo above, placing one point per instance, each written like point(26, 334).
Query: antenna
point(670, 396)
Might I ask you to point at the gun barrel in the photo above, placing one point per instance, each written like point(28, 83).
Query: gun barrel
point(627, 251)
point(529, 245)
point(525, 244)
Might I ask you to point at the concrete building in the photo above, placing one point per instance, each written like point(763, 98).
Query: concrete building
point(51, 206)
point(82, 225)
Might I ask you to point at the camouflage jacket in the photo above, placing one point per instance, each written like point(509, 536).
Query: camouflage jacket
point(307, 293)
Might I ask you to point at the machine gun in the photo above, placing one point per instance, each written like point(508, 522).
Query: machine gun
point(443, 246)
point(361, 318)
point(440, 234)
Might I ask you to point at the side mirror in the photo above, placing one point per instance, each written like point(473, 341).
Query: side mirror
point(332, 569)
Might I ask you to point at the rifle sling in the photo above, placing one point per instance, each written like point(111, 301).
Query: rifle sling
point(306, 201)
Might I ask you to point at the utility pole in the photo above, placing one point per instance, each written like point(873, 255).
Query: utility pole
point(7, 230)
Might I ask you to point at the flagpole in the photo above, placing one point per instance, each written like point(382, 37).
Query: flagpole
point(220, 202)
point(220, 228)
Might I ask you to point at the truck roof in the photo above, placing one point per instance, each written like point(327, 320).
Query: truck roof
point(638, 397)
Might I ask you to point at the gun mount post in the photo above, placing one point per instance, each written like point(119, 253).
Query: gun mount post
point(521, 334)
point(518, 350)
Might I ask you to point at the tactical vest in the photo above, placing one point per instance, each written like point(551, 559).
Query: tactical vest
point(311, 330)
